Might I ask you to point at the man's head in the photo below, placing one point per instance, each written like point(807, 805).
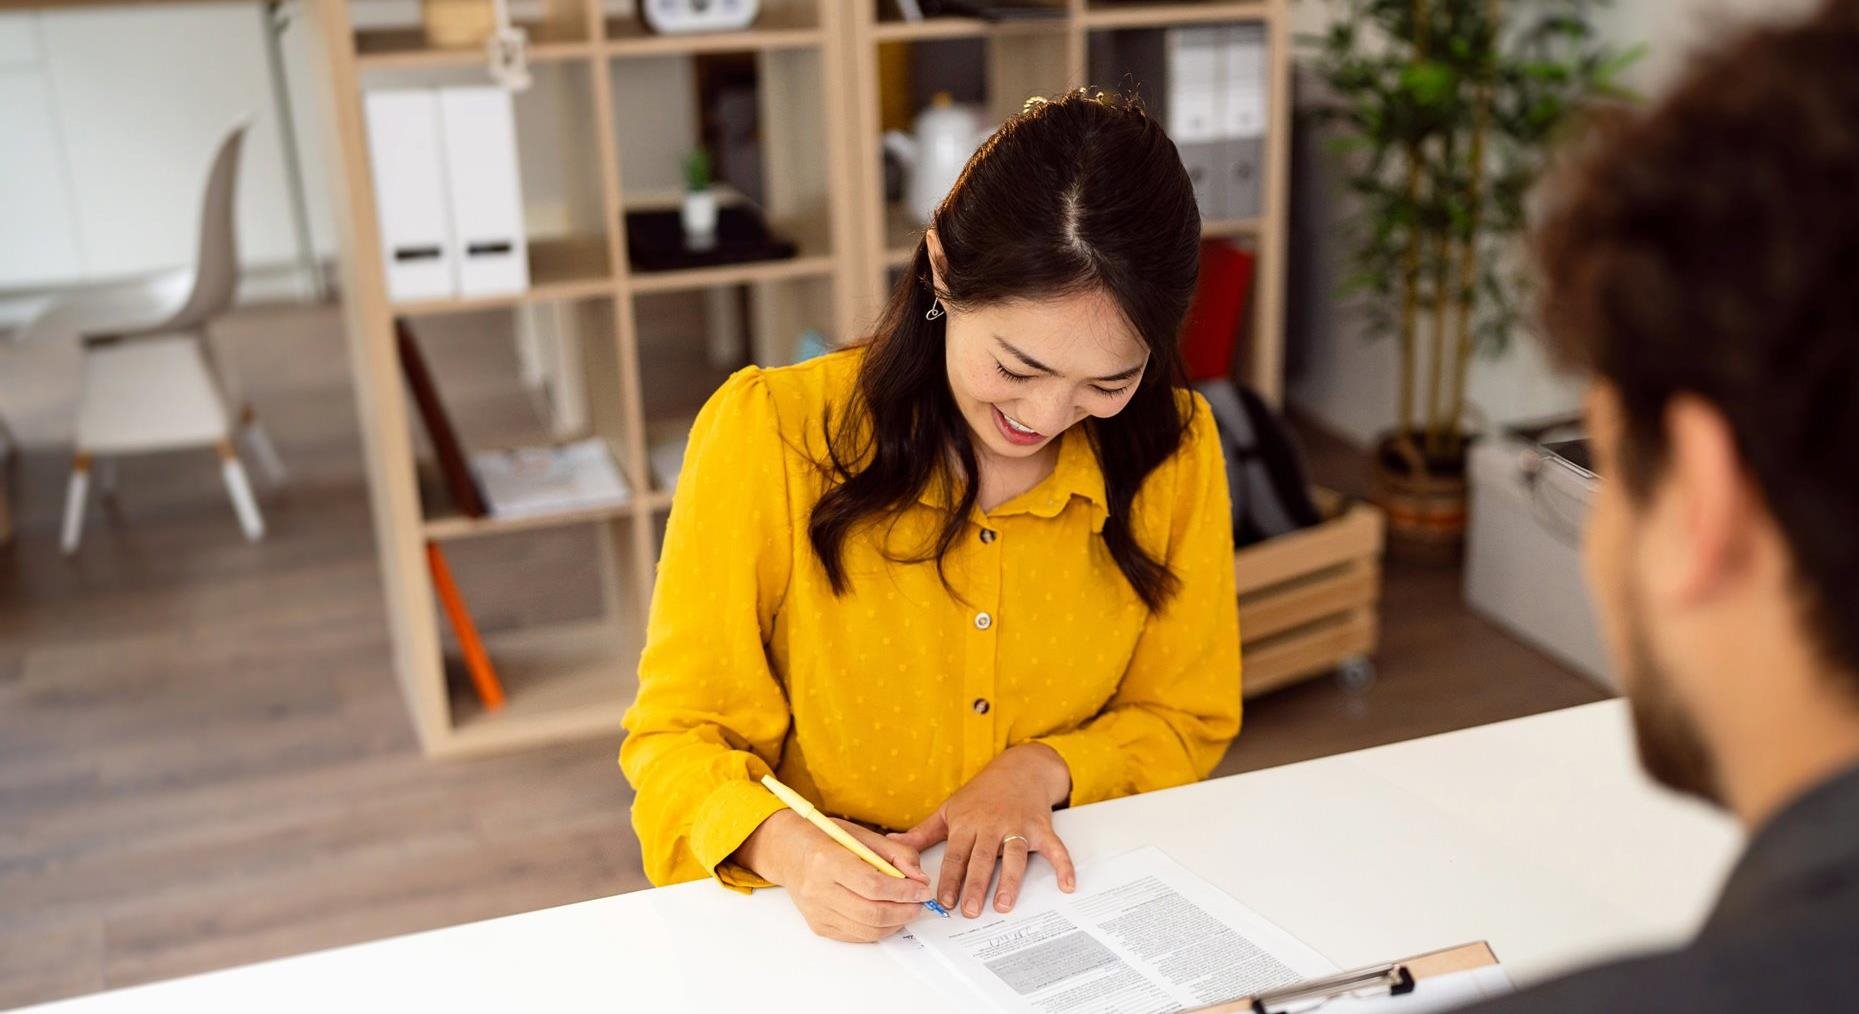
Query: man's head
point(1702, 263)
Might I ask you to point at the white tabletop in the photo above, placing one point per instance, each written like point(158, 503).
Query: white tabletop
point(1538, 835)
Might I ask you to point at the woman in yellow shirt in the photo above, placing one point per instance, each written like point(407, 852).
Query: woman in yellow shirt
point(979, 568)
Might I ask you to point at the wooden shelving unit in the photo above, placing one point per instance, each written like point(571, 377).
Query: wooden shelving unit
point(630, 39)
point(1101, 14)
point(1048, 55)
point(818, 100)
point(574, 679)
point(406, 49)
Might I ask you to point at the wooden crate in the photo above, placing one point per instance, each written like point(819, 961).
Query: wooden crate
point(1308, 601)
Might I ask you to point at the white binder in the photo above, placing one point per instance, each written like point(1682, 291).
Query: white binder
point(1244, 81)
point(1205, 162)
point(409, 185)
point(486, 199)
point(1244, 105)
point(1194, 59)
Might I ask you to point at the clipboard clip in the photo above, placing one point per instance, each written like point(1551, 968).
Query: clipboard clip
point(1395, 978)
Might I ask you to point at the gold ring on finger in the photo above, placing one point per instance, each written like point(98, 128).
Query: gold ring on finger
point(1015, 837)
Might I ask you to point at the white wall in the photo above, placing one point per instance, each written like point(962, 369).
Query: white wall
point(1347, 382)
point(38, 238)
point(111, 117)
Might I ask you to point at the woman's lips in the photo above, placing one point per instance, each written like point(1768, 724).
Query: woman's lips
point(1021, 438)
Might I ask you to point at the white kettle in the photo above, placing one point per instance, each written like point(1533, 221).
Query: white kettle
point(946, 135)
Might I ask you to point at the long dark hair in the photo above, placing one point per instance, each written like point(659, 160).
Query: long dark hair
point(1079, 193)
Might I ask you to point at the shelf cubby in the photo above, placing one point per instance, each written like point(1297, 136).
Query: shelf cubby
point(568, 249)
point(566, 650)
point(564, 682)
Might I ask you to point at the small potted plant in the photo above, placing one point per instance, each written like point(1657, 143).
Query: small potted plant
point(699, 211)
point(1444, 112)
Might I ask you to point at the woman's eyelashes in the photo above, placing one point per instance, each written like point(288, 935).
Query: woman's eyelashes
point(1018, 378)
point(1021, 378)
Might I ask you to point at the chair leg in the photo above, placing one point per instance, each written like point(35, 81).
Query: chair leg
point(259, 443)
point(75, 494)
point(241, 492)
point(106, 477)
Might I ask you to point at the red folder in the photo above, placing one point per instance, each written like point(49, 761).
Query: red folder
point(1221, 298)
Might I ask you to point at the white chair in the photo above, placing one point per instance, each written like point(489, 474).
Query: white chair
point(150, 380)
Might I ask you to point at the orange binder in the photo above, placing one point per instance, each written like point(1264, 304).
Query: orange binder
point(483, 677)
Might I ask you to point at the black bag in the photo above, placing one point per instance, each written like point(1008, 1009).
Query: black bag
point(1264, 470)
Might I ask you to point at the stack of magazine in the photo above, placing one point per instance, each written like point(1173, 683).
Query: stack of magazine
point(526, 482)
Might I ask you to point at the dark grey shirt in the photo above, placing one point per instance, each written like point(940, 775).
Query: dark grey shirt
point(1783, 937)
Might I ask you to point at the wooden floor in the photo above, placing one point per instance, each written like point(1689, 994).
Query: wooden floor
point(204, 760)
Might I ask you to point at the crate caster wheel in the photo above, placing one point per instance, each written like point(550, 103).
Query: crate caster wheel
point(1357, 674)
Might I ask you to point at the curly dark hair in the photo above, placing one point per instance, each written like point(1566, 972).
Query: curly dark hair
point(1710, 247)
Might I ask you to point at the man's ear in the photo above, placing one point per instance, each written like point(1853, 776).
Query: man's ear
point(1709, 499)
point(938, 266)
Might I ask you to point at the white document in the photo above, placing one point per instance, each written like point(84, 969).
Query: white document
point(408, 159)
point(535, 481)
point(1141, 934)
point(484, 193)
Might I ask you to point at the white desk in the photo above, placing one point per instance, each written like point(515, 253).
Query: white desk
point(1538, 835)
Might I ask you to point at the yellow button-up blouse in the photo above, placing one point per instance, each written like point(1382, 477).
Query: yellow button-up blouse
point(881, 703)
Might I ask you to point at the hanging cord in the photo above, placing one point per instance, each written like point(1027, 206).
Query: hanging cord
point(508, 50)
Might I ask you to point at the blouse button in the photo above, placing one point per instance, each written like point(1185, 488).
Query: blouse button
point(981, 705)
point(988, 535)
point(983, 621)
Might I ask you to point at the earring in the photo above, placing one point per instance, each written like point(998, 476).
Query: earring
point(934, 311)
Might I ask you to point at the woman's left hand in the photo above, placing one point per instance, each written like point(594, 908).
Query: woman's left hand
point(1004, 814)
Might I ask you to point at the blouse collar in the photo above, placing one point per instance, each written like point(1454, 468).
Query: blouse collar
point(1077, 474)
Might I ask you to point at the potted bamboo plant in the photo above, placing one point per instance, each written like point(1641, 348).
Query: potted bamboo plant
point(698, 212)
point(1443, 113)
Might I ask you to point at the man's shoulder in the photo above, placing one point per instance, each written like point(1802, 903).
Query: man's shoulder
point(1801, 964)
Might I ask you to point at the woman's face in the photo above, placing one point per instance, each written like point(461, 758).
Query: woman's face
point(1024, 371)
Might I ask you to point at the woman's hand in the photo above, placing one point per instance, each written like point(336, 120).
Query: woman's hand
point(1005, 813)
point(840, 896)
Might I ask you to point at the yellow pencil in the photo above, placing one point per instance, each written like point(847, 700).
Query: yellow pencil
point(798, 803)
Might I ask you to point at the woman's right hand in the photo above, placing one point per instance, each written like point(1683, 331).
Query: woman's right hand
point(840, 896)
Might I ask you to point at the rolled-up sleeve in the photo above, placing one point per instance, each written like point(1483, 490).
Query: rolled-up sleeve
point(1178, 706)
point(710, 716)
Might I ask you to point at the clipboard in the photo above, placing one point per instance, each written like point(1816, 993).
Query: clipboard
point(1393, 979)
